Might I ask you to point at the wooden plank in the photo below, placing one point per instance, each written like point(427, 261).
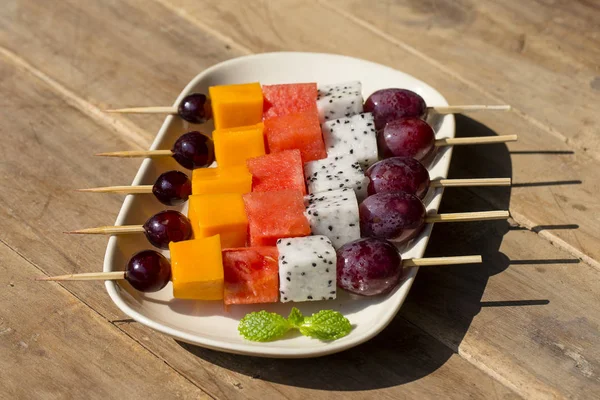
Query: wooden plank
point(37, 210)
point(555, 188)
point(540, 57)
point(111, 54)
point(54, 346)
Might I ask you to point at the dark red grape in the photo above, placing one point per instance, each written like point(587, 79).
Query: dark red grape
point(396, 216)
point(148, 271)
point(194, 150)
point(406, 137)
point(368, 267)
point(167, 226)
point(195, 108)
point(390, 104)
point(172, 188)
point(398, 174)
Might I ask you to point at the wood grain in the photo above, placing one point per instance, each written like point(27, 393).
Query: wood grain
point(53, 346)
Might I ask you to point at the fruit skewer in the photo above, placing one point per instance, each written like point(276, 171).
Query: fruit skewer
point(160, 229)
point(192, 150)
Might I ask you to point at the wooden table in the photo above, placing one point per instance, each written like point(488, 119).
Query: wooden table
point(523, 324)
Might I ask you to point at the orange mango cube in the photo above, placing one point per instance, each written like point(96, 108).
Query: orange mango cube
point(236, 105)
point(221, 214)
point(234, 146)
point(236, 179)
point(197, 269)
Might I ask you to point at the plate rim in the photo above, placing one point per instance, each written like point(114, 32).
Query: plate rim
point(258, 350)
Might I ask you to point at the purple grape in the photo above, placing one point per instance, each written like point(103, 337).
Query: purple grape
point(148, 271)
point(398, 174)
point(406, 137)
point(194, 150)
point(195, 108)
point(395, 216)
point(368, 267)
point(172, 188)
point(391, 104)
point(167, 226)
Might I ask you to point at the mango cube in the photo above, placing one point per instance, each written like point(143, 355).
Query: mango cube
point(236, 179)
point(219, 214)
point(197, 269)
point(236, 105)
point(234, 146)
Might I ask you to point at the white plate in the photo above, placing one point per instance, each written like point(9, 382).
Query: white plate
point(207, 324)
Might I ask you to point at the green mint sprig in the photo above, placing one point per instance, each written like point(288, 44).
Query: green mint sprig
point(263, 326)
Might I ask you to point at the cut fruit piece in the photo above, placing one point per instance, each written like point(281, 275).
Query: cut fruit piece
point(288, 98)
point(236, 179)
point(336, 172)
point(334, 214)
point(354, 135)
point(300, 131)
point(307, 269)
point(233, 146)
point(219, 213)
point(275, 215)
point(277, 171)
point(197, 269)
point(251, 275)
point(341, 100)
point(236, 105)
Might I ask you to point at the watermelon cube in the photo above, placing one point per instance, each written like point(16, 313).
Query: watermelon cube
point(275, 215)
point(300, 131)
point(277, 171)
point(288, 98)
point(251, 275)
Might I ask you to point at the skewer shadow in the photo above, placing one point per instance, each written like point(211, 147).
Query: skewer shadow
point(539, 228)
point(443, 299)
point(548, 183)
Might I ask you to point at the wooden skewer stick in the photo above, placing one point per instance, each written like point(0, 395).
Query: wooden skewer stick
point(467, 216)
point(475, 140)
point(469, 108)
point(88, 276)
point(145, 110)
point(139, 189)
point(425, 262)
point(138, 153)
point(471, 182)
point(110, 230)
point(117, 275)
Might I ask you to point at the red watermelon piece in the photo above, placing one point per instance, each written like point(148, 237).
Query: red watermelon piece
point(251, 275)
point(275, 215)
point(277, 171)
point(288, 98)
point(300, 131)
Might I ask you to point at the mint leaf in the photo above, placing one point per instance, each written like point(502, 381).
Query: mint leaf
point(326, 325)
point(263, 326)
point(296, 318)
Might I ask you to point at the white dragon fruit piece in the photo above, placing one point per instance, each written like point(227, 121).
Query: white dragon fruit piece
point(355, 135)
point(307, 269)
point(336, 172)
point(335, 215)
point(339, 100)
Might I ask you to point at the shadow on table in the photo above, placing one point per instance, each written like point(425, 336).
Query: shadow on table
point(443, 300)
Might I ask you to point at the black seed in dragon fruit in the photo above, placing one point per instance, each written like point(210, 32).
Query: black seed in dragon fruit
point(355, 135)
point(339, 100)
point(336, 172)
point(334, 214)
point(307, 269)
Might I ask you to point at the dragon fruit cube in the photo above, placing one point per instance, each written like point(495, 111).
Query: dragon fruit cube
point(307, 269)
point(334, 214)
point(336, 172)
point(355, 135)
point(339, 100)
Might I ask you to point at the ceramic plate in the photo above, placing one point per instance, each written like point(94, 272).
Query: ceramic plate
point(208, 324)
